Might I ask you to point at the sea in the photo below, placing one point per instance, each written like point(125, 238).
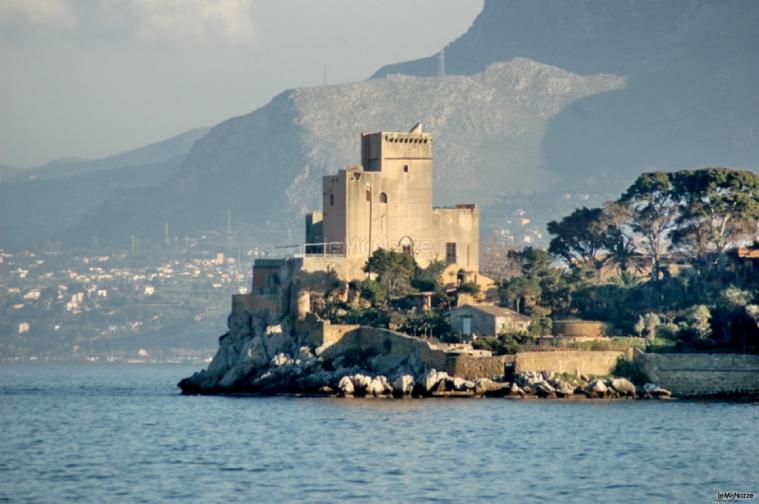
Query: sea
point(112, 433)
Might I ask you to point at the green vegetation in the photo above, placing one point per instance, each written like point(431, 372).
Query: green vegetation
point(660, 262)
point(628, 369)
point(392, 294)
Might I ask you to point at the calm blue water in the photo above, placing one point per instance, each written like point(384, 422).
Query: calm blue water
point(108, 433)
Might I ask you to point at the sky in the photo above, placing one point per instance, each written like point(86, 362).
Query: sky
point(89, 78)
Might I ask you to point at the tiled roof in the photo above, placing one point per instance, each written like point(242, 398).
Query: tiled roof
point(496, 311)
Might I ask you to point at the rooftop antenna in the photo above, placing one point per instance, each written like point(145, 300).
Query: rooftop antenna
point(441, 63)
point(417, 128)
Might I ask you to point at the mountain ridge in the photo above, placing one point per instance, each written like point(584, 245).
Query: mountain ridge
point(267, 165)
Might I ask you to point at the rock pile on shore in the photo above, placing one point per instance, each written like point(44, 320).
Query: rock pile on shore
point(541, 385)
point(305, 373)
point(260, 356)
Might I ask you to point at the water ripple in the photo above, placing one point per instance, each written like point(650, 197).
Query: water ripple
point(121, 433)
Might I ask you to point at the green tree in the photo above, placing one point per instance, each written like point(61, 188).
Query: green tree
point(651, 210)
point(393, 269)
point(582, 237)
point(429, 278)
point(542, 286)
point(719, 208)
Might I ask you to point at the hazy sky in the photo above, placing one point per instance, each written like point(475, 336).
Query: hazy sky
point(94, 77)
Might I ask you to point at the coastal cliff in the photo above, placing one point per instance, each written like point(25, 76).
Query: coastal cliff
point(275, 345)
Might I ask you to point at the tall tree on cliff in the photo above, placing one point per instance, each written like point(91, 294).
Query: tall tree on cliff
point(719, 209)
point(588, 237)
point(651, 209)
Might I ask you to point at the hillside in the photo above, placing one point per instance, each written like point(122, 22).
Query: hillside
point(691, 72)
point(545, 105)
point(266, 166)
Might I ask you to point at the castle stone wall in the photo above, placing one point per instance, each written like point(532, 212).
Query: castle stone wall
point(568, 361)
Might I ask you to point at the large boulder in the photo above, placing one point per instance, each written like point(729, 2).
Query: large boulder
point(564, 389)
point(360, 383)
point(529, 379)
point(515, 390)
point(654, 390)
point(545, 390)
point(597, 388)
point(345, 386)
point(429, 380)
point(236, 376)
point(623, 387)
point(462, 385)
point(403, 385)
point(378, 386)
point(490, 388)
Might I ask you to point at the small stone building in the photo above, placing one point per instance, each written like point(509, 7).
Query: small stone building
point(487, 320)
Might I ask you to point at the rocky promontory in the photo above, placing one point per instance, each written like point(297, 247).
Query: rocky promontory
point(282, 355)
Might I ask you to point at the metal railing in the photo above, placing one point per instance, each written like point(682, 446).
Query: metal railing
point(306, 249)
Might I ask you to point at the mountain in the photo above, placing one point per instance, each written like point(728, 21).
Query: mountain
point(593, 36)
point(266, 167)
point(37, 204)
point(691, 72)
point(546, 103)
point(164, 150)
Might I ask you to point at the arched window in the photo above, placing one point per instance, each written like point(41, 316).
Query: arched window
point(383, 198)
point(407, 245)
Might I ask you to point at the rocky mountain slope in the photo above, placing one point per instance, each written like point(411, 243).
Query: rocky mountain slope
point(266, 166)
point(546, 104)
point(691, 72)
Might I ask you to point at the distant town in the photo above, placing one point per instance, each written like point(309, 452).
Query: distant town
point(117, 306)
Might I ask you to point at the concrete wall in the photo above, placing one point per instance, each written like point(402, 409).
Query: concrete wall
point(702, 374)
point(568, 361)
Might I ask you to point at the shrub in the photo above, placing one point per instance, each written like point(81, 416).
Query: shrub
point(468, 288)
point(667, 331)
point(540, 326)
point(630, 370)
point(374, 291)
point(698, 320)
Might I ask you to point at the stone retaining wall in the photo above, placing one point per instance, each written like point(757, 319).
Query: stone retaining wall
point(702, 374)
point(471, 368)
point(568, 361)
point(390, 348)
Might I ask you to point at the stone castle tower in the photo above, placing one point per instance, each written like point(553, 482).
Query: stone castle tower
point(386, 202)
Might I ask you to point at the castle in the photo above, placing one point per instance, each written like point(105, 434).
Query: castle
point(386, 202)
